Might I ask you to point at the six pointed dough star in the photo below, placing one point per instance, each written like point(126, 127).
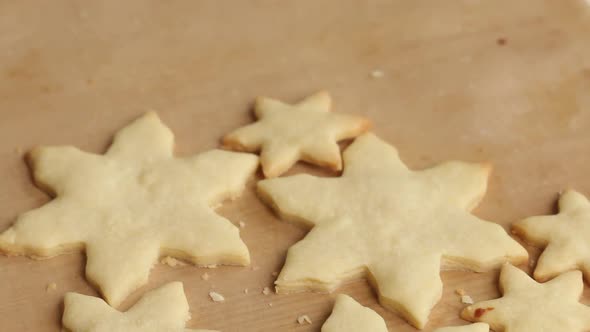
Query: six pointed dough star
point(566, 237)
point(390, 224)
point(133, 204)
point(161, 310)
point(304, 131)
point(527, 306)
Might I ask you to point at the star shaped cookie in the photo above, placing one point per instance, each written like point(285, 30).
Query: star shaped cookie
point(477, 327)
point(565, 236)
point(528, 306)
point(162, 310)
point(390, 224)
point(349, 315)
point(287, 133)
point(132, 205)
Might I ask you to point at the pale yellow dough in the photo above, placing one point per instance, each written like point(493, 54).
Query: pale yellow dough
point(304, 131)
point(132, 205)
point(349, 316)
point(393, 225)
point(528, 306)
point(162, 310)
point(477, 327)
point(565, 236)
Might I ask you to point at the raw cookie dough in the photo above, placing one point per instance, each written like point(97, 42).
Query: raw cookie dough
point(382, 221)
point(162, 310)
point(132, 205)
point(349, 315)
point(477, 327)
point(304, 131)
point(565, 237)
point(527, 306)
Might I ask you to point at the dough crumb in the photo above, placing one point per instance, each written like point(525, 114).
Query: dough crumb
point(245, 290)
point(303, 319)
point(377, 73)
point(205, 276)
point(460, 291)
point(466, 299)
point(266, 291)
point(270, 304)
point(242, 224)
point(172, 262)
point(216, 297)
point(51, 287)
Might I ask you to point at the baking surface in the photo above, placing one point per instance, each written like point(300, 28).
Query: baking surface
point(476, 80)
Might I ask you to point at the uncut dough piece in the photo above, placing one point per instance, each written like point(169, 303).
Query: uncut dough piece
point(162, 310)
point(287, 133)
point(387, 223)
point(477, 327)
point(528, 306)
point(349, 316)
point(565, 237)
point(132, 205)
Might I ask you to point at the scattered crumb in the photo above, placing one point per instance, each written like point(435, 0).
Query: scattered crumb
point(255, 268)
point(245, 290)
point(242, 224)
point(460, 291)
point(466, 299)
point(266, 291)
point(501, 41)
point(270, 304)
point(216, 297)
point(51, 287)
point(205, 276)
point(172, 262)
point(275, 273)
point(303, 319)
point(377, 73)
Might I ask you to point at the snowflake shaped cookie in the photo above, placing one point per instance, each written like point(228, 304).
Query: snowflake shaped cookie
point(132, 205)
point(387, 223)
point(565, 236)
point(528, 306)
point(287, 133)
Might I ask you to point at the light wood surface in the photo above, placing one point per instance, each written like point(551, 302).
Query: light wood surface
point(477, 80)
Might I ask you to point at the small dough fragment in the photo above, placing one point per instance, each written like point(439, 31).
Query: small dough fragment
point(303, 319)
point(476, 327)
point(216, 297)
point(466, 299)
point(349, 316)
point(159, 310)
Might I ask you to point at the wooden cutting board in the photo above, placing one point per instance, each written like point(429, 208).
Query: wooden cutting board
point(498, 80)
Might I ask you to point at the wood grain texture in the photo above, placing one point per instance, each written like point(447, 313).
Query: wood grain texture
point(476, 80)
